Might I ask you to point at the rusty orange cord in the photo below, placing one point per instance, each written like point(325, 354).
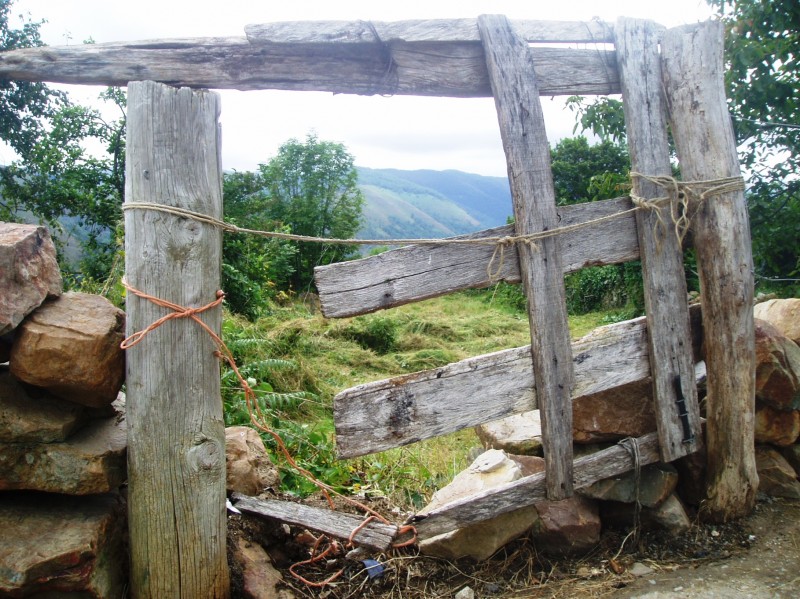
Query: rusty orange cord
point(257, 419)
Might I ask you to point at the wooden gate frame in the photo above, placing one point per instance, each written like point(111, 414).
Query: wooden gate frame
point(461, 58)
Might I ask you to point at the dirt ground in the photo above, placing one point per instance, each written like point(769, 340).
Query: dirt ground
point(757, 557)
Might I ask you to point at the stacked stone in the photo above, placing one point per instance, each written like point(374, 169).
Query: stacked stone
point(62, 428)
point(667, 494)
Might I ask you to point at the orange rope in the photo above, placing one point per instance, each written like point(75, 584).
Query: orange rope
point(257, 418)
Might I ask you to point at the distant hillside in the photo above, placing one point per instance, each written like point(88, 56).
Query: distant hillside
point(428, 203)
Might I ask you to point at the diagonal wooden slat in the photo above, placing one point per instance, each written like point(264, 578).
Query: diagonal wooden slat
point(420, 272)
point(522, 130)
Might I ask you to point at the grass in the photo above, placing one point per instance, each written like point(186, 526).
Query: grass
point(294, 350)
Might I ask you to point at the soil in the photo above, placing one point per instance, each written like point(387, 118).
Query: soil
point(756, 557)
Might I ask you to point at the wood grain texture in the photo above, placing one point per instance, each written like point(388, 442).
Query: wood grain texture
point(522, 130)
point(375, 535)
point(665, 292)
point(420, 272)
point(693, 73)
point(526, 491)
point(452, 69)
point(428, 30)
point(176, 436)
point(394, 412)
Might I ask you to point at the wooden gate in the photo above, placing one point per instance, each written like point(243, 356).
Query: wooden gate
point(544, 243)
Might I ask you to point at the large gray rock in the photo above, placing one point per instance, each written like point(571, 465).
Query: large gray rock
point(249, 469)
point(70, 346)
point(519, 434)
point(56, 546)
point(656, 483)
point(91, 461)
point(777, 368)
point(28, 272)
point(28, 416)
point(783, 314)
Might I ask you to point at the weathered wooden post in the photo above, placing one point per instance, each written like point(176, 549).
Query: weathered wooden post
point(176, 437)
point(701, 126)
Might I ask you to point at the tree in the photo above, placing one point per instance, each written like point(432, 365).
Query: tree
point(763, 76)
point(583, 173)
point(313, 190)
point(24, 106)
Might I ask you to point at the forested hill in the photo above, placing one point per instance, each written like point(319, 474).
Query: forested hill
point(428, 203)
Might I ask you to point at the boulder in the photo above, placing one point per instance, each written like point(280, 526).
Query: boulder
point(792, 455)
point(656, 483)
point(28, 416)
point(29, 272)
point(249, 469)
point(777, 368)
point(260, 578)
point(56, 546)
point(566, 527)
point(775, 475)
point(671, 516)
point(479, 541)
point(625, 411)
point(91, 461)
point(776, 427)
point(783, 314)
point(519, 434)
point(70, 346)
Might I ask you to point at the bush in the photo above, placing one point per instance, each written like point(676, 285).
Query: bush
point(377, 333)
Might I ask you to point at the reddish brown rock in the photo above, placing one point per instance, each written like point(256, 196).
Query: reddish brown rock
point(529, 464)
point(775, 475)
point(91, 461)
point(777, 368)
point(28, 272)
point(566, 527)
point(783, 314)
point(249, 469)
point(775, 426)
point(261, 579)
point(70, 346)
point(625, 411)
point(56, 546)
point(27, 416)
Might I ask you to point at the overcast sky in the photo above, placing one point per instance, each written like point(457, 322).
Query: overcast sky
point(398, 132)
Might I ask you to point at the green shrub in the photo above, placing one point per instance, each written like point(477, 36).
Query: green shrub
point(377, 333)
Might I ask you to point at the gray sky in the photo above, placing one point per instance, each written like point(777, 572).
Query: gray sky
point(398, 132)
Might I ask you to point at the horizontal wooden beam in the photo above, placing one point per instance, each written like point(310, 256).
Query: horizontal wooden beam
point(420, 272)
point(454, 68)
point(375, 535)
point(531, 489)
point(429, 30)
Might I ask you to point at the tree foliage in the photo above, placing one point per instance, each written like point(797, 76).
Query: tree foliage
point(763, 77)
point(313, 190)
point(583, 173)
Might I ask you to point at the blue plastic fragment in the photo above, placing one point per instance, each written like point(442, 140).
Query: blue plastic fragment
point(374, 568)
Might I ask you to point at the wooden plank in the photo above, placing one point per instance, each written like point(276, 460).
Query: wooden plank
point(522, 130)
point(420, 272)
point(376, 535)
point(176, 434)
point(428, 30)
point(385, 414)
point(701, 126)
point(526, 491)
point(665, 295)
point(452, 69)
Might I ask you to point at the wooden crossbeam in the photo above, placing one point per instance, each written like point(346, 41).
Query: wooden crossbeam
point(405, 58)
point(402, 410)
point(519, 112)
point(420, 272)
point(526, 491)
point(666, 304)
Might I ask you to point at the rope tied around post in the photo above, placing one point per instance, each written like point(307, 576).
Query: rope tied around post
point(681, 196)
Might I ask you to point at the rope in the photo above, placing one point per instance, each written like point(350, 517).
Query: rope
point(631, 444)
point(257, 419)
point(681, 195)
